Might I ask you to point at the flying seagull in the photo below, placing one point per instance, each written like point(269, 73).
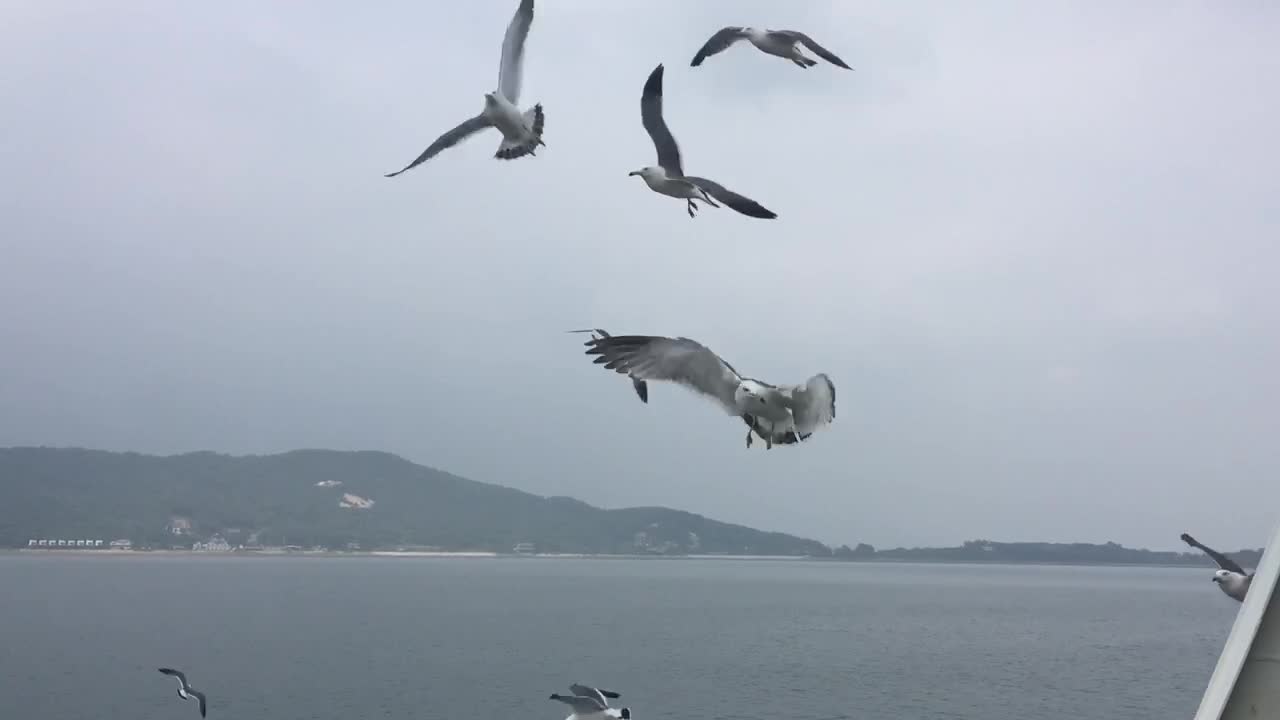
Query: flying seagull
point(1232, 578)
point(642, 389)
point(771, 411)
point(521, 132)
point(783, 43)
point(185, 691)
point(592, 708)
point(668, 177)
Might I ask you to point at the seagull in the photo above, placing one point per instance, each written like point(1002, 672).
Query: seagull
point(668, 177)
point(185, 691)
point(1232, 578)
point(783, 43)
point(642, 389)
point(775, 412)
point(521, 132)
point(590, 707)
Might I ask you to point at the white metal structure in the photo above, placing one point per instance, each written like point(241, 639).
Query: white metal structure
point(1246, 682)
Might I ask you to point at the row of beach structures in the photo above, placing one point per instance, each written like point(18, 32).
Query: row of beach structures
point(43, 544)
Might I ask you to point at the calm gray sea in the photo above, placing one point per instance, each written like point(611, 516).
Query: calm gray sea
point(346, 638)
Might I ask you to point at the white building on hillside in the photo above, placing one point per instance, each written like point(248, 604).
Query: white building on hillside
point(215, 544)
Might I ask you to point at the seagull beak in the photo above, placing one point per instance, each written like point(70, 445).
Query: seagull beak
point(633, 172)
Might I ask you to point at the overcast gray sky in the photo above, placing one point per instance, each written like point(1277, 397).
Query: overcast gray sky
point(1034, 245)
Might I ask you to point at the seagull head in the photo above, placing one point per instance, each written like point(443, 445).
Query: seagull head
point(648, 172)
point(1221, 576)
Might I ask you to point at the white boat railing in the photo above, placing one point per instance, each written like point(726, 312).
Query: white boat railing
point(1246, 682)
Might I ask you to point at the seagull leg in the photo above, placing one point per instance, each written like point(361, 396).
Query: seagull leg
point(768, 442)
point(691, 207)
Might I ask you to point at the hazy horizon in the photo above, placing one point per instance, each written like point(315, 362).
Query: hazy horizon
point(1033, 246)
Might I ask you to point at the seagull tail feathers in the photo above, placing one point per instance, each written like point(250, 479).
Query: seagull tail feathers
point(512, 149)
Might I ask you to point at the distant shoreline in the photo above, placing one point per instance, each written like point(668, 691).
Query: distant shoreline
point(484, 555)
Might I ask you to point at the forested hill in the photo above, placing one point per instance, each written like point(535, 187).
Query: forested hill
point(331, 499)
point(375, 500)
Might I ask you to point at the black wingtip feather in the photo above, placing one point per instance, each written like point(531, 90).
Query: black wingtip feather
point(653, 86)
point(756, 211)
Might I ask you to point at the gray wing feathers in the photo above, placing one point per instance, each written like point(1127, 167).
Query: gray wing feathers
point(511, 66)
point(678, 360)
point(1223, 561)
point(182, 678)
point(717, 43)
point(595, 693)
point(651, 116)
point(642, 390)
point(817, 49)
point(580, 705)
point(453, 137)
point(199, 696)
point(733, 200)
point(813, 404)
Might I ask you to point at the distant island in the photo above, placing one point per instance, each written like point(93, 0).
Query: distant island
point(325, 500)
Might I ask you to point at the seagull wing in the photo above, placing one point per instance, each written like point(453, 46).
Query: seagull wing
point(817, 49)
point(581, 705)
point(1223, 561)
point(642, 389)
point(718, 43)
point(199, 696)
point(453, 137)
point(512, 65)
point(678, 360)
point(182, 678)
point(813, 404)
point(589, 692)
point(742, 204)
point(651, 116)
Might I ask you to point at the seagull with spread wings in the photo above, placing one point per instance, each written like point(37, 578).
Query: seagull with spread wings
point(778, 413)
point(1231, 578)
point(667, 177)
point(782, 43)
point(642, 390)
point(589, 703)
point(185, 691)
point(521, 132)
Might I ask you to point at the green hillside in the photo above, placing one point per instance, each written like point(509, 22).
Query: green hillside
point(296, 498)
